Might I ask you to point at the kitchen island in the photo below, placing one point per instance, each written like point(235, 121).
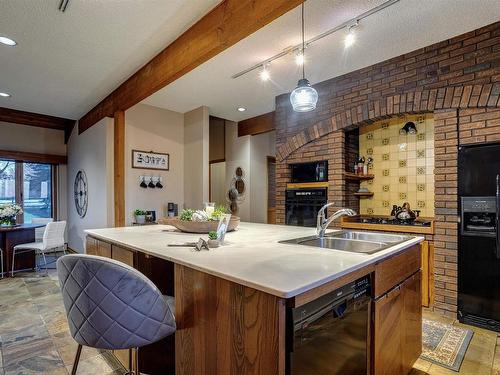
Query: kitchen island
point(232, 301)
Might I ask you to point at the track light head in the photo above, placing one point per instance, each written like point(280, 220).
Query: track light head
point(350, 38)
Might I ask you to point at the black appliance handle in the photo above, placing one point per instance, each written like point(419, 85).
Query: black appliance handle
point(497, 220)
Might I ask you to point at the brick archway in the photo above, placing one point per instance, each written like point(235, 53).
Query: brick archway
point(462, 115)
point(459, 97)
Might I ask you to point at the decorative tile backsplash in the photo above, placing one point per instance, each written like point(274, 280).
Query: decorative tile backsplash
point(403, 165)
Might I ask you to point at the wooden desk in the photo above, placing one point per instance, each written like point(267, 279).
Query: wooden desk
point(12, 236)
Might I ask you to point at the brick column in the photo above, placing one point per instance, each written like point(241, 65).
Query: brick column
point(446, 211)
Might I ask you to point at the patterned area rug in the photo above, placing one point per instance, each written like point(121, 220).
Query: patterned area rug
point(444, 344)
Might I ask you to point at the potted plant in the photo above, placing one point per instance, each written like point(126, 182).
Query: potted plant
point(212, 239)
point(8, 213)
point(140, 216)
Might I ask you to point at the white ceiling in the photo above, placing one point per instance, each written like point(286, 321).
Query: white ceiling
point(401, 28)
point(65, 63)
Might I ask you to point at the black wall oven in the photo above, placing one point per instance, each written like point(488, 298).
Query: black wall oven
point(316, 171)
point(302, 205)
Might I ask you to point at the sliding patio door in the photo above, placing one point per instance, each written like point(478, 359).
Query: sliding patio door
point(7, 182)
point(30, 185)
point(37, 191)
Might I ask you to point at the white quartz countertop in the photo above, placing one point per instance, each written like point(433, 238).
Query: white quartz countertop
point(252, 255)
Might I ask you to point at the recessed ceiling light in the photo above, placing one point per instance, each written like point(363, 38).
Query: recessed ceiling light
point(7, 41)
point(5, 95)
point(242, 109)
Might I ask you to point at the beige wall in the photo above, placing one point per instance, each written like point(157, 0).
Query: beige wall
point(196, 153)
point(14, 137)
point(250, 153)
point(91, 152)
point(238, 155)
point(261, 146)
point(159, 130)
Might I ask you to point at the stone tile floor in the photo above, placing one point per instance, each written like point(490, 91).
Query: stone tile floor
point(482, 356)
point(34, 334)
point(35, 339)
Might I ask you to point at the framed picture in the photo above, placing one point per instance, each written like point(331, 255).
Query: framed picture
point(150, 160)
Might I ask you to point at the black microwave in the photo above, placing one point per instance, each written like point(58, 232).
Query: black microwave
point(316, 171)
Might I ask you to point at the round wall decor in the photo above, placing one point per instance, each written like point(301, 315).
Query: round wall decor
point(81, 193)
point(236, 192)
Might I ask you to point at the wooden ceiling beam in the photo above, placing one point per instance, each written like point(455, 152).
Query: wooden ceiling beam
point(257, 125)
point(31, 157)
point(225, 25)
point(35, 119)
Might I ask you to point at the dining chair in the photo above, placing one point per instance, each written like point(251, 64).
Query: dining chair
point(39, 231)
point(112, 306)
point(52, 240)
point(1, 261)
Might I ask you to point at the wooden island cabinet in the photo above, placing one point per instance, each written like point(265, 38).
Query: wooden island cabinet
point(224, 328)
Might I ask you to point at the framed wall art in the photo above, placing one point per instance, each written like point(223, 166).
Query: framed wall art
point(150, 160)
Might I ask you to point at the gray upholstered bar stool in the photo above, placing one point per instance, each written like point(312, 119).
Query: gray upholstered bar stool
point(112, 306)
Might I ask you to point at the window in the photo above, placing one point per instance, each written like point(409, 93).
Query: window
point(7, 182)
point(30, 185)
point(37, 191)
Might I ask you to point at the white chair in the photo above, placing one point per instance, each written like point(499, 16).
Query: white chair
point(39, 231)
point(53, 239)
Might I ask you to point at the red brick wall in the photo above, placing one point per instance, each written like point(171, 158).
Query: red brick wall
point(457, 79)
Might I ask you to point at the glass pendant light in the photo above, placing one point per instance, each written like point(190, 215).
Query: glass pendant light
point(304, 97)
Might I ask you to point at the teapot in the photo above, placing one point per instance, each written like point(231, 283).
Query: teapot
point(405, 214)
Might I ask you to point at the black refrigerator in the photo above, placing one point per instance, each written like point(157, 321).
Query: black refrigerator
point(479, 236)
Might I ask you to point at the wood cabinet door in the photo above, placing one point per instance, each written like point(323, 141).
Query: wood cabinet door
point(388, 311)
point(96, 247)
point(424, 246)
point(125, 256)
point(395, 270)
point(122, 255)
point(411, 321)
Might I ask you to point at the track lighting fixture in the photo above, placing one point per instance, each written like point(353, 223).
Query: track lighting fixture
point(350, 38)
point(299, 58)
point(264, 74)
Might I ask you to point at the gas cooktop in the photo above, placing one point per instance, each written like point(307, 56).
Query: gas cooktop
point(390, 221)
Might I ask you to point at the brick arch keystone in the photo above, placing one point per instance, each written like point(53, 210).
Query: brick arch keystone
point(469, 96)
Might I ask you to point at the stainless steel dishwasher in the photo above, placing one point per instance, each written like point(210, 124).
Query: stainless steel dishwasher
point(330, 334)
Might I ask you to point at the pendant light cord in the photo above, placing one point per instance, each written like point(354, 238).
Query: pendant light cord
point(303, 45)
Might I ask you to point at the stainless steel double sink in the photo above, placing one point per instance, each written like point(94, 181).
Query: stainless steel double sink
point(351, 241)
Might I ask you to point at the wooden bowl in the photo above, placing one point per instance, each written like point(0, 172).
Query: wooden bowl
point(198, 226)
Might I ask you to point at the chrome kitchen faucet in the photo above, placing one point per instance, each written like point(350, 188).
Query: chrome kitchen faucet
point(322, 222)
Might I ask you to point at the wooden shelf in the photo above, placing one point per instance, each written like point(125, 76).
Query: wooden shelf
point(358, 177)
point(368, 194)
point(302, 185)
